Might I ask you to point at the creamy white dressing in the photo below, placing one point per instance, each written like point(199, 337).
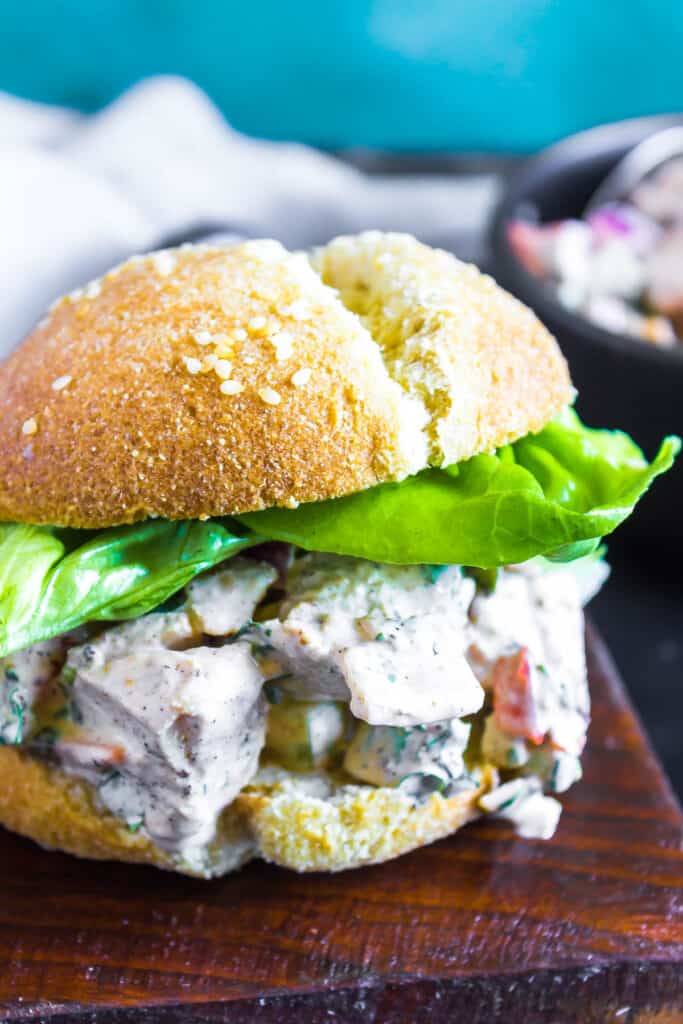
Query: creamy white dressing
point(167, 630)
point(23, 677)
point(389, 639)
point(429, 755)
point(522, 802)
point(169, 729)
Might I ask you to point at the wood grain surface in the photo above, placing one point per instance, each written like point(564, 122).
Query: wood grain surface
point(479, 928)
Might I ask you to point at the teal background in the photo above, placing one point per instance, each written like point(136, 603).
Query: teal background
point(407, 74)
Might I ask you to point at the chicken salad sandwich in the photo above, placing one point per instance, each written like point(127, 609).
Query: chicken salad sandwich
point(293, 555)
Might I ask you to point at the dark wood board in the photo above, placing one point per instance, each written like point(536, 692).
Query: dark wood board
point(479, 928)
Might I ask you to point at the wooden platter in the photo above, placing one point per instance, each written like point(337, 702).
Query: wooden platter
point(479, 928)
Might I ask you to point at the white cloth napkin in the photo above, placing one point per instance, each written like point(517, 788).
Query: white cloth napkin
point(80, 193)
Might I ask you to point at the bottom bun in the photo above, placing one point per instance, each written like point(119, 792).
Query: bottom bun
point(306, 822)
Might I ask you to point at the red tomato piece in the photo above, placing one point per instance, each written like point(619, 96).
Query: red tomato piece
point(514, 708)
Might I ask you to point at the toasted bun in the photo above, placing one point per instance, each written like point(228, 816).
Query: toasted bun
point(309, 824)
point(208, 381)
point(302, 822)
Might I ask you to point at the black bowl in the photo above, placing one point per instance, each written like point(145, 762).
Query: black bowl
point(622, 381)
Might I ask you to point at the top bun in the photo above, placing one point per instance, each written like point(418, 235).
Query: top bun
point(207, 381)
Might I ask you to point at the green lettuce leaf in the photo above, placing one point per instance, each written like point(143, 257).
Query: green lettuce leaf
point(555, 493)
point(52, 580)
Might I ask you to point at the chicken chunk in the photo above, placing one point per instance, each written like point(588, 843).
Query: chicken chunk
point(220, 603)
point(388, 639)
point(169, 737)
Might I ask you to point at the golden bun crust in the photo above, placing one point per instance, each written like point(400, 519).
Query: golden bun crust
point(483, 366)
point(207, 381)
point(306, 823)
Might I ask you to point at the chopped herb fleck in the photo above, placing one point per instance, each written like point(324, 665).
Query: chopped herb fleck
point(11, 675)
point(134, 826)
point(68, 674)
point(554, 774)
point(440, 737)
point(249, 624)
point(400, 738)
point(17, 705)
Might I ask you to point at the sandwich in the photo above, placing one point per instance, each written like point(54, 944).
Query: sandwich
point(293, 554)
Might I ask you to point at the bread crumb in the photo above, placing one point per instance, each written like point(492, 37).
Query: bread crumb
point(230, 387)
point(301, 377)
point(203, 337)
point(192, 365)
point(257, 323)
point(30, 426)
point(269, 396)
point(61, 382)
point(239, 334)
